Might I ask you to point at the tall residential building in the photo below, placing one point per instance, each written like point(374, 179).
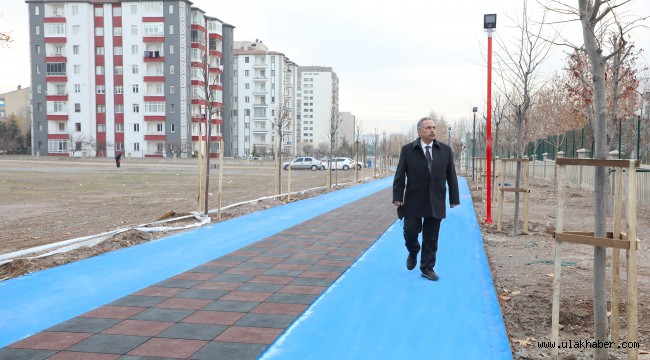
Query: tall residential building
point(318, 101)
point(347, 128)
point(264, 96)
point(124, 76)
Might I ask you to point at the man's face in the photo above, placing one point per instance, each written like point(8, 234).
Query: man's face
point(428, 131)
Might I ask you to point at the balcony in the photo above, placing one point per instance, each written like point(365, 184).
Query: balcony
point(261, 104)
point(259, 78)
point(260, 65)
point(259, 91)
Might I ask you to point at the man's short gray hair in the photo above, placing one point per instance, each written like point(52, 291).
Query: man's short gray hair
point(421, 121)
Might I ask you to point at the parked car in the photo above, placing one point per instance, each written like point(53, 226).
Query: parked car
point(343, 163)
point(304, 163)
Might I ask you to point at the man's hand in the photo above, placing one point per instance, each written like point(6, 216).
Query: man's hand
point(453, 205)
point(398, 203)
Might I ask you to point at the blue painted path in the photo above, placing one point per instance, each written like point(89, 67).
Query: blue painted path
point(37, 301)
point(379, 310)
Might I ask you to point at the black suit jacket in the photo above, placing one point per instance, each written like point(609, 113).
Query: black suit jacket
point(425, 191)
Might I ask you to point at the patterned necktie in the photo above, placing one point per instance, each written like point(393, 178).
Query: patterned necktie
point(428, 154)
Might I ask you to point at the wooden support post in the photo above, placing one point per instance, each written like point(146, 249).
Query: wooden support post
point(526, 182)
point(503, 179)
point(632, 301)
point(616, 254)
point(559, 228)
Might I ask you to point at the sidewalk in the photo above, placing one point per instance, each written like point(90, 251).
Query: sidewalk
point(260, 286)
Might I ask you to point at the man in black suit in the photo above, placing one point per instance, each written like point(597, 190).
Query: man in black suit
point(424, 167)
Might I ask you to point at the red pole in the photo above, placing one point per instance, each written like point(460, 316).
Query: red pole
point(488, 155)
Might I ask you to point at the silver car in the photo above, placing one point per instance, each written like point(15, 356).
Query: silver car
point(303, 163)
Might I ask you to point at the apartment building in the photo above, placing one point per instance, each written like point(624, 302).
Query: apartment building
point(317, 101)
point(264, 97)
point(124, 76)
point(16, 103)
point(347, 127)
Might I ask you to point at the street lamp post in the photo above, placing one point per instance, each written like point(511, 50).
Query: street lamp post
point(489, 24)
point(474, 109)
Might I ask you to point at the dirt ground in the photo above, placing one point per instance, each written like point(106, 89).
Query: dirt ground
point(45, 201)
point(522, 268)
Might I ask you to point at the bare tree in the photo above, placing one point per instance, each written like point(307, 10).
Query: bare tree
point(281, 125)
point(333, 129)
point(604, 35)
point(357, 144)
point(518, 68)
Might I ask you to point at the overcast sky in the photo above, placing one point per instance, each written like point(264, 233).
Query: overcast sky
point(395, 63)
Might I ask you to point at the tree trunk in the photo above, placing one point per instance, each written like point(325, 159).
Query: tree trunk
point(597, 63)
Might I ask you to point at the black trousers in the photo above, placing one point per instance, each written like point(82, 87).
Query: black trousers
point(429, 227)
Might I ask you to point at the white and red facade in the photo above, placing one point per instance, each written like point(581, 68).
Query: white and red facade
point(123, 76)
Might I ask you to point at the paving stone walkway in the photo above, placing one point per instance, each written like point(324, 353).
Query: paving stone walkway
point(232, 307)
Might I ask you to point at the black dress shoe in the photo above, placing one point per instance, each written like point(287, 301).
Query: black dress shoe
point(411, 261)
point(430, 275)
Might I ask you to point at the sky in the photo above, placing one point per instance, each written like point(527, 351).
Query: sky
point(395, 63)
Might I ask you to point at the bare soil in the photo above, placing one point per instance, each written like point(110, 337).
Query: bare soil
point(45, 201)
point(522, 268)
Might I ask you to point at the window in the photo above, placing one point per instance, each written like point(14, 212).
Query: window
point(77, 127)
point(246, 86)
point(101, 108)
point(171, 9)
point(247, 112)
point(55, 69)
point(134, 28)
point(59, 106)
point(136, 108)
point(159, 127)
point(136, 127)
point(119, 127)
point(77, 107)
point(117, 31)
point(77, 69)
point(75, 49)
point(171, 29)
point(38, 49)
point(119, 108)
point(61, 126)
point(235, 73)
point(152, 8)
point(153, 29)
point(54, 29)
point(171, 69)
point(154, 107)
point(134, 50)
point(134, 9)
point(171, 89)
point(99, 70)
point(118, 70)
point(37, 10)
point(99, 31)
point(57, 146)
point(101, 128)
point(260, 112)
point(136, 146)
point(245, 72)
point(171, 49)
point(119, 89)
point(119, 146)
point(40, 109)
point(99, 11)
point(246, 59)
point(117, 11)
point(75, 29)
point(77, 88)
point(171, 108)
point(135, 88)
point(134, 69)
point(247, 99)
point(37, 29)
point(117, 50)
point(99, 50)
point(101, 89)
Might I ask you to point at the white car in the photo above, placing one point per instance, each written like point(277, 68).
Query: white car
point(304, 163)
point(343, 163)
